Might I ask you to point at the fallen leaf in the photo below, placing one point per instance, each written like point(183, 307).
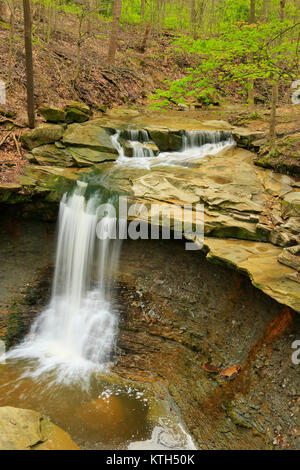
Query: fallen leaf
point(211, 368)
point(231, 372)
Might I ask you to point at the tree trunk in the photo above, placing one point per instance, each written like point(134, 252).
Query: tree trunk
point(143, 9)
point(11, 40)
point(251, 81)
point(282, 7)
point(266, 10)
point(4, 11)
point(145, 39)
point(251, 102)
point(273, 116)
point(29, 63)
point(113, 41)
point(252, 12)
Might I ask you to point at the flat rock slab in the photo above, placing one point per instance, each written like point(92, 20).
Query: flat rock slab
point(89, 134)
point(28, 430)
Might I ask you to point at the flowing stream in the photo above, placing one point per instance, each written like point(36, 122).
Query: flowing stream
point(196, 145)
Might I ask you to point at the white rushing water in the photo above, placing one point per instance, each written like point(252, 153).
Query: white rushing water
point(196, 146)
point(76, 333)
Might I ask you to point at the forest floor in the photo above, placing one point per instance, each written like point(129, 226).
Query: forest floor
point(129, 83)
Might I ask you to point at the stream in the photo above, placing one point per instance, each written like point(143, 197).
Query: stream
point(94, 360)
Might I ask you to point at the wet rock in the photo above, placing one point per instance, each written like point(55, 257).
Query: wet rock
point(45, 134)
point(165, 140)
point(53, 114)
point(29, 430)
point(129, 149)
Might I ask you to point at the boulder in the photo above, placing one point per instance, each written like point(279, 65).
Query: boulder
point(85, 157)
point(74, 115)
point(9, 191)
point(166, 140)
point(89, 134)
point(246, 138)
point(84, 108)
point(291, 257)
point(129, 149)
point(290, 205)
point(77, 111)
point(44, 134)
point(53, 114)
point(53, 156)
point(22, 429)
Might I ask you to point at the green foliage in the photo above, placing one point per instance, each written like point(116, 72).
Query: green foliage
point(241, 53)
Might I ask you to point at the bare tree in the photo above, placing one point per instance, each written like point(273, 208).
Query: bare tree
point(29, 63)
point(252, 12)
point(266, 9)
point(143, 9)
point(251, 81)
point(282, 8)
point(272, 128)
point(113, 40)
point(11, 5)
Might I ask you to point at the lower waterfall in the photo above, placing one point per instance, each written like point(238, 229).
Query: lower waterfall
point(76, 333)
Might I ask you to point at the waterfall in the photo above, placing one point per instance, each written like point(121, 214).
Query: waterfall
point(194, 139)
point(138, 141)
point(76, 333)
point(196, 145)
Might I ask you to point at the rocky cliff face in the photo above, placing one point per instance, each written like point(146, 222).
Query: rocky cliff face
point(216, 346)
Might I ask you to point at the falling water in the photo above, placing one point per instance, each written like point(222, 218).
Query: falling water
point(138, 141)
point(76, 333)
point(195, 146)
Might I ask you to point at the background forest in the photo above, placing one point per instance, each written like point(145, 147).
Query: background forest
point(180, 54)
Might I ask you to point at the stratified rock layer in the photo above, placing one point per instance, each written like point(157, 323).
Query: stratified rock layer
point(250, 214)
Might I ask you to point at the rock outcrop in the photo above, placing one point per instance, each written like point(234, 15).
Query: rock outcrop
point(29, 430)
point(251, 214)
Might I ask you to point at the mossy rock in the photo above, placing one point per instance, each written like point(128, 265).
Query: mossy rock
point(45, 134)
point(75, 115)
point(84, 108)
point(53, 114)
